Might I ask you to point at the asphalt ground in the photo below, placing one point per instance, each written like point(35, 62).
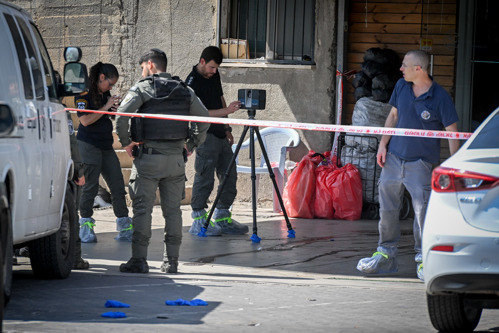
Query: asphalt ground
point(278, 285)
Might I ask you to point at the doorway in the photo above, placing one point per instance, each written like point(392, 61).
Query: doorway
point(477, 62)
point(485, 61)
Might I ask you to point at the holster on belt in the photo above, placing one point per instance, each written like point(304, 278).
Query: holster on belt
point(137, 151)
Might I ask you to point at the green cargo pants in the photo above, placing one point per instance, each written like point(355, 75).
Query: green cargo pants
point(152, 171)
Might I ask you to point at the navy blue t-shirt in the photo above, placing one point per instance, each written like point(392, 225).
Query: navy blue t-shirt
point(433, 110)
point(100, 133)
point(210, 93)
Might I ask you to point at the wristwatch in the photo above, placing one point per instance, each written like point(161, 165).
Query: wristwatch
point(228, 129)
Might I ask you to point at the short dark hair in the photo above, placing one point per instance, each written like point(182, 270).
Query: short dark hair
point(212, 53)
point(157, 57)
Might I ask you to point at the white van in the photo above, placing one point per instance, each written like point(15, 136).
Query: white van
point(37, 207)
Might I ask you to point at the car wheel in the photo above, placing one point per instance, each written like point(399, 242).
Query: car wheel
point(5, 244)
point(1, 288)
point(451, 313)
point(53, 256)
point(406, 210)
point(372, 211)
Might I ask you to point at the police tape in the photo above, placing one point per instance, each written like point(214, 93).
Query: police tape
point(300, 126)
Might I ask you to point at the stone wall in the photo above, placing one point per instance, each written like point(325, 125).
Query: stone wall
point(120, 31)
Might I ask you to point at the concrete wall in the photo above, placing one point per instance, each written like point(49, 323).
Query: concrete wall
point(120, 31)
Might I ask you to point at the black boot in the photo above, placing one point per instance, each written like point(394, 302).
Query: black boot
point(135, 265)
point(170, 266)
point(81, 264)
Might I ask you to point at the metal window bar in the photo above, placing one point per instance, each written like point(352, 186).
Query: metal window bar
point(283, 29)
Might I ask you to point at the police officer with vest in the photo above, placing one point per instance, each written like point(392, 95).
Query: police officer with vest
point(158, 147)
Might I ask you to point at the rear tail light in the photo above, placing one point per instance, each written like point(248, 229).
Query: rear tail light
point(453, 180)
point(443, 248)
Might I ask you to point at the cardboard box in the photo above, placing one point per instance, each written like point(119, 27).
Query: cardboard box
point(235, 48)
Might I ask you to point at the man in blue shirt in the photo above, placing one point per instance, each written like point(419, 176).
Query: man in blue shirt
point(419, 103)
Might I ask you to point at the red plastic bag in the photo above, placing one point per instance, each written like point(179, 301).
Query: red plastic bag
point(299, 192)
point(347, 193)
point(323, 204)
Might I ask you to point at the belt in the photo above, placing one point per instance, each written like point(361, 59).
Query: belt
point(151, 151)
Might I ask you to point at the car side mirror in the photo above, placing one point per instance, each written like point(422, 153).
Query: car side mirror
point(75, 73)
point(75, 78)
point(7, 120)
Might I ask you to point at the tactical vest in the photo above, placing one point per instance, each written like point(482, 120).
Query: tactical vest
point(171, 97)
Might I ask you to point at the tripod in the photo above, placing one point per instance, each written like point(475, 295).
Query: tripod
point(253, 130)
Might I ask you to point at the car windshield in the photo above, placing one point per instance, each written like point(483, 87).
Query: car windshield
point(489, 135)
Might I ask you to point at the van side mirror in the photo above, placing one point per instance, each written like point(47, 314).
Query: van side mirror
point(7, 120)
point(75, 73)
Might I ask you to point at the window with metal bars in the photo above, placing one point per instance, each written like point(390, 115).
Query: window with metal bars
point(272, 31)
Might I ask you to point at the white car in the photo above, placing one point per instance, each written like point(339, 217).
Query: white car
point(461, 233)
point(37, 206)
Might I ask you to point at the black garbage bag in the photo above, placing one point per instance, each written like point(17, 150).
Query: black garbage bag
point(375, 54)
point(362, 92)
point(381, 95)
point(361, 80)
point(373, 68)
point(383, 82)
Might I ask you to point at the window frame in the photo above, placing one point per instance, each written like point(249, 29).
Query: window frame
point(223, 22)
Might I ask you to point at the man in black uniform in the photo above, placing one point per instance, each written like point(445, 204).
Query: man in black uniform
point(157, 147)
point(215, 154)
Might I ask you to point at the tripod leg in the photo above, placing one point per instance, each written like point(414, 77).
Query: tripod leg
point(291, 232)
point(254, 237)
point(202, 233)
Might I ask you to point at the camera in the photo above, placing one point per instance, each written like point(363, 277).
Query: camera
point(253, 99)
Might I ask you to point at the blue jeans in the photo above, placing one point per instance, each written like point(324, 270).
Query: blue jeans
point(416, 177)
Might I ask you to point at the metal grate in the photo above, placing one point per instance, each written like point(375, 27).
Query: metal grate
point(360, 150)
point(278, 31)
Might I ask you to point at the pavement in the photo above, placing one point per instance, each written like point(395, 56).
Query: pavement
point(280, 284)
point(321, 246)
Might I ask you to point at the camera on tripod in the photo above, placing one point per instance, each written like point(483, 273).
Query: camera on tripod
point(252, 99)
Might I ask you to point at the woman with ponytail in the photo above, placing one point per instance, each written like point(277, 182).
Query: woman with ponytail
point(95, 141)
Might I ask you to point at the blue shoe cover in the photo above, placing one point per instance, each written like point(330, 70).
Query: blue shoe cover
point(199, 222)
point(87, 233)
point(379, 263)
point(125, 227)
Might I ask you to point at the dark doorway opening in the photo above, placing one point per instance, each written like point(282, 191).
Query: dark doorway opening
point(485, 61)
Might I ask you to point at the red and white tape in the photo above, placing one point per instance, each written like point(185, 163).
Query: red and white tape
point(301, 126)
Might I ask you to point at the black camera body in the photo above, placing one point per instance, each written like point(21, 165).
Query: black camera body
point(252, 99)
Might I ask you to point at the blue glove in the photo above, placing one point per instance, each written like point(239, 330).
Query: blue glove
point(115, 304)
point(194, 302)
point(113, 314)
point(198, 302)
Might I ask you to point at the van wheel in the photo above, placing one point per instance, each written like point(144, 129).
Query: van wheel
point(450, 313)
point(53, 256)
point(6, 246)
point(1, 287)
